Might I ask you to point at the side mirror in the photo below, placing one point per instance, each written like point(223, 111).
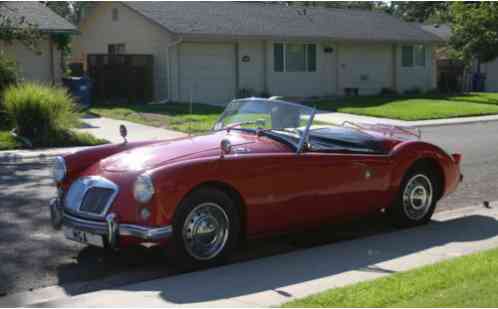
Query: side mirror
point(226, 147)
point(123, 132)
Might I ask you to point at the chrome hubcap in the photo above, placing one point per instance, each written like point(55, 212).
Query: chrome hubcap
point(205, 231)
point(417, 197)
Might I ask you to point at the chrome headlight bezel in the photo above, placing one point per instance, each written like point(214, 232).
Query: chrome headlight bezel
point(143, 188)
point(59, 170)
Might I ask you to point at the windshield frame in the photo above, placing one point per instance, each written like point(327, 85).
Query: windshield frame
point(303, 136)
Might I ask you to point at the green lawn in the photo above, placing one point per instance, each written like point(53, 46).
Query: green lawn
point(8, 142)
point(415, 107)
point(469, 281)
point(66, 139)
point(173, 116)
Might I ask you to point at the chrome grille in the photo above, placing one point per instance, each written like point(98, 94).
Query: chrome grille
point(90, 196)
point(96, 199)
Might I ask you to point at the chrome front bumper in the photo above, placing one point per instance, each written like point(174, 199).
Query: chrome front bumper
point(110, 229)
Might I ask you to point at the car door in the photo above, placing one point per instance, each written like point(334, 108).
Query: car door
point(343, 184)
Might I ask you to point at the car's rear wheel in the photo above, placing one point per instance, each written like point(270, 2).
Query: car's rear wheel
point(417, 198)
point(206, 228)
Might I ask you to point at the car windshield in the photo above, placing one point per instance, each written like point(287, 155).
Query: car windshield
point(263, 115)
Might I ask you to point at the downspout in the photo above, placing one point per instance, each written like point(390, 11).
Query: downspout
point(51, 59)
point(168, 65)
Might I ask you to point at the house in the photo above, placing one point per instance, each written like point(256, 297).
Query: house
point(213, 51)
point(489, 69)
point(44, 63)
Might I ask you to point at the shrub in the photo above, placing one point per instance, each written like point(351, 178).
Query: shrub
point(386, 91)
point(245, 93)
point(40, 113)
point(413, 91)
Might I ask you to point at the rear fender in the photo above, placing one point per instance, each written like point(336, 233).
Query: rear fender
point(406, 154)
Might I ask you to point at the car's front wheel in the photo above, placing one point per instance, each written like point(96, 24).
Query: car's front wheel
point(417, 198)
point(206, 228)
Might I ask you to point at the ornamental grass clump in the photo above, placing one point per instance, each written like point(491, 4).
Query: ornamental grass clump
point(42, 114)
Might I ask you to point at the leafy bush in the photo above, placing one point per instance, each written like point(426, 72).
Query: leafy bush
point(9, 74)
point(385, 91)
point(245, 93)
point(413, 91)
point(40, 113)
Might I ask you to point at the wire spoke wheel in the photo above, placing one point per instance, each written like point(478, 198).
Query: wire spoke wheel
point(205, 231)
point(417, 197)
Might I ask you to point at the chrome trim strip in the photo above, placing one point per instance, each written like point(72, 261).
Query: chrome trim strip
point(101, 228)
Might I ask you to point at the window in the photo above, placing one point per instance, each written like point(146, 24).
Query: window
point(413, 55)
point(407, 56)
point(294, 57)
point(116, 49)
point(278, 57)
point(115, 14)
point(419, 51)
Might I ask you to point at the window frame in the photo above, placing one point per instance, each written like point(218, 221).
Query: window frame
point(414, 57)
point(115, 14)
point(306, 57)
point(116, 47)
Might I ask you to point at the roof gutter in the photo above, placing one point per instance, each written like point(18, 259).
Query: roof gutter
point(168, 65)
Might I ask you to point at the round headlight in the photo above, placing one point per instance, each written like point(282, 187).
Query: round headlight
point(59, 171)
point(143, 190)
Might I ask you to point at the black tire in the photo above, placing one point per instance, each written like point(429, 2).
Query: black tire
point(222, 205)
point(403, 212)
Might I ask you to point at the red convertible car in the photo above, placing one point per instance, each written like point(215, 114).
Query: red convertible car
point(265, 168)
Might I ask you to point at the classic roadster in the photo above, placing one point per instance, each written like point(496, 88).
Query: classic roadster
point(265, 168)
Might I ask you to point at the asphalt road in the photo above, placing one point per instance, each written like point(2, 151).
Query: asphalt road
point(33, 256)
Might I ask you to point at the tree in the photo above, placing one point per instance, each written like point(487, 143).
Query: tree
point(365, 5)
point(475, 30)
point(14, 28)
point(415, 11)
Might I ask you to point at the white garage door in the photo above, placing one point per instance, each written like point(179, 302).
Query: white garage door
point(208, 72)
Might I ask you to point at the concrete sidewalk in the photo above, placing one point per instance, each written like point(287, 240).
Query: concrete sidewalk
point(101, 127)
point(278, 279)
point(108, 129)
point(339, 118)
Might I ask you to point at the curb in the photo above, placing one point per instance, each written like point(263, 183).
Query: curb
point(429, 122)
point(454, 123)
point(35, 156)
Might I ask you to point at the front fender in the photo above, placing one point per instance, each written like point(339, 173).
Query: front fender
point(173, 181)
point(405, 154)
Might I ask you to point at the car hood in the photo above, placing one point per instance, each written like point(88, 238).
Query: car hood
point(155, 155)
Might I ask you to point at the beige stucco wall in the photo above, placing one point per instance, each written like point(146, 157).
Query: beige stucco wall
point(140, 36)
point(35, 65)
point(491, 70)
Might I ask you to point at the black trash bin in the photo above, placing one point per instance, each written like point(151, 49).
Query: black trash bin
point(80, 89)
